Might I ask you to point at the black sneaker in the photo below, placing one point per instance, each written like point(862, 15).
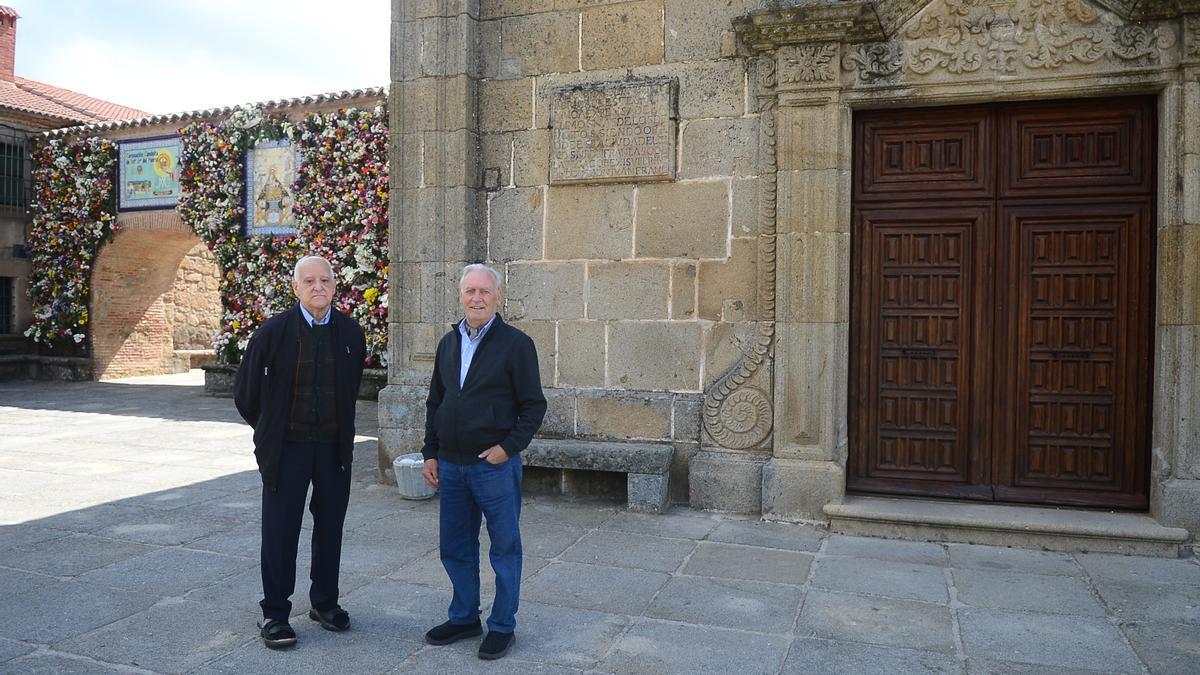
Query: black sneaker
point(276, 634)
point(496, 645)
point(453, 632)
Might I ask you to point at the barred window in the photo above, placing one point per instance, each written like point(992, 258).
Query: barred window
point(6, 306)
point(14, 175)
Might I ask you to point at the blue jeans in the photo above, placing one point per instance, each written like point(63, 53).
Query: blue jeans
point(470, 493)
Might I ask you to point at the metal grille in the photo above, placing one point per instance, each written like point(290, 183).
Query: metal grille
point(14, 170)
point(6, 305)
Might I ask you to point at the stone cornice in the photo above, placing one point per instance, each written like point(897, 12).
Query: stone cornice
point(767, 30)
point(855, 21)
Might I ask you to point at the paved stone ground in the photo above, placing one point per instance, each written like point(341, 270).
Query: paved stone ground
point(129, 536)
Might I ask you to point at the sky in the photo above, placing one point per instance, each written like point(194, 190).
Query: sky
point(169, 56)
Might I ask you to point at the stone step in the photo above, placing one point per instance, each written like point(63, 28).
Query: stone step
point(1047, 528)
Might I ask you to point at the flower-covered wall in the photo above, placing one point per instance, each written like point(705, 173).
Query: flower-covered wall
point(340, 205)
point(73, 216)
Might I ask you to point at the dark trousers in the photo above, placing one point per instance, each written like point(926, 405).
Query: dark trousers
point(470, 493)
point(282, 514)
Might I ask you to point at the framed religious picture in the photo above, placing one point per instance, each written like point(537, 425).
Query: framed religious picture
point(271, 168)
point(148, 173)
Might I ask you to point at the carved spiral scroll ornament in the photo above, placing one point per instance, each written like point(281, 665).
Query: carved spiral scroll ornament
point(738, 416)
point(746, 417)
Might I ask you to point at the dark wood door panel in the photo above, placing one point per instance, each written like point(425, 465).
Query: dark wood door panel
point(914, 339)
point(1078, 418)
point(1002, 305)
point(1057, 149)
point(921, 154)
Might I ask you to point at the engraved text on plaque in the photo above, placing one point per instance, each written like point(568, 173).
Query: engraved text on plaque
point(613, 132)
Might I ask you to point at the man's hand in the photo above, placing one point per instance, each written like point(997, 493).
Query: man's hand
point(430, 473)
point(494, 455)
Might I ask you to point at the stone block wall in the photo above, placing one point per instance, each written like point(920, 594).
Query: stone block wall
point(193, 305)
point(639, 295)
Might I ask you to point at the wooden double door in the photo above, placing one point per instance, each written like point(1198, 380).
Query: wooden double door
point(1002, 302)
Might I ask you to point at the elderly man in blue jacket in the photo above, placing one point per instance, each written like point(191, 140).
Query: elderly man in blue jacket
point(485, 403)
point(297, 386)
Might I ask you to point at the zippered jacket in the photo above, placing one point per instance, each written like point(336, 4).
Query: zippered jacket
point(499, 403)
point(262, 390)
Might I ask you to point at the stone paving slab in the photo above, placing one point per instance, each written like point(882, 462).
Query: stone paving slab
point(874, 620)
point(65, 609)
point(676, 523)
point(70, 555)
point(109, 570)
point(47, 662)
point(919, 552)
point(998, 558)
point(1026, 592)
point(616, 590)
point(768, 535)
point(170, 637)
point(564, 636)
point(732, 561)
point(461, 658)
point(1165, 647)
point(729, 603)
point(882, 577)
point(11, 649)
point(1132, 600)
point(994, 667)
point(829, 657)
point(321, 652)
point(1046, 639)
point(666, 647)
point(168, 571)
point(624, 549)
point(1101, 567)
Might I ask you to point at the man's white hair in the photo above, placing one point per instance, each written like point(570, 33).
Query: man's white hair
point(479, 267)
point(296, 269)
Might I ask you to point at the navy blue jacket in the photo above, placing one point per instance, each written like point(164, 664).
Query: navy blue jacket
point(499, 403)
point(262, 390)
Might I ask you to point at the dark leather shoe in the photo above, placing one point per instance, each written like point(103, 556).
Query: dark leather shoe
point(334, 619)
point(276, 634)
point(453, 632)
point(496, 645)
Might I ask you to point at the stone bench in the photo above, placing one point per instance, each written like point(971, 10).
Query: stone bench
point(647, 465)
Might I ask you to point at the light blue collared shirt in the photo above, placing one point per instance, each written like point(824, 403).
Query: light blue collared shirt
point(309, 317)
point(469, 346)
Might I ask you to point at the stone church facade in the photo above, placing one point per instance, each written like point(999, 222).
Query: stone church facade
point(938, 248)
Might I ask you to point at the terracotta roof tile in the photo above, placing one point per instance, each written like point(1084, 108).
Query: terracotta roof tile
point(9, 11)
point(79, 107)
point(370, 93)
point(16, 98)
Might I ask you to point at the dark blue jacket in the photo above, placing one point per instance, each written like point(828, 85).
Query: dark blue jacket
point(263, 388)
point(499, 403)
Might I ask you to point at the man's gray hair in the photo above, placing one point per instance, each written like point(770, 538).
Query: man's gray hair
point(301, 261)
point(479, 267)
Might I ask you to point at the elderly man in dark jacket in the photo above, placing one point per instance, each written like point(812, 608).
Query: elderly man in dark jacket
point(297, 386)
point(485, 403)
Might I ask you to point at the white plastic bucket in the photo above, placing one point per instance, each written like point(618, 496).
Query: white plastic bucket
point(408, 477)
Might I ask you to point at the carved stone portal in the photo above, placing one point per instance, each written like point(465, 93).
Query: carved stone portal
point(829, 57)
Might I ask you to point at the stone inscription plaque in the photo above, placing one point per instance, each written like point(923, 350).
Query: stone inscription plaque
point(613, 132)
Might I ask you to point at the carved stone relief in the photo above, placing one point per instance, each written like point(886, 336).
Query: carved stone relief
point(808, 64)
point(738, 409)
point(1191, 28)
point(1010, 37)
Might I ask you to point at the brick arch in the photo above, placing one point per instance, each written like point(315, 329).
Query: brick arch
point(154, 302)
